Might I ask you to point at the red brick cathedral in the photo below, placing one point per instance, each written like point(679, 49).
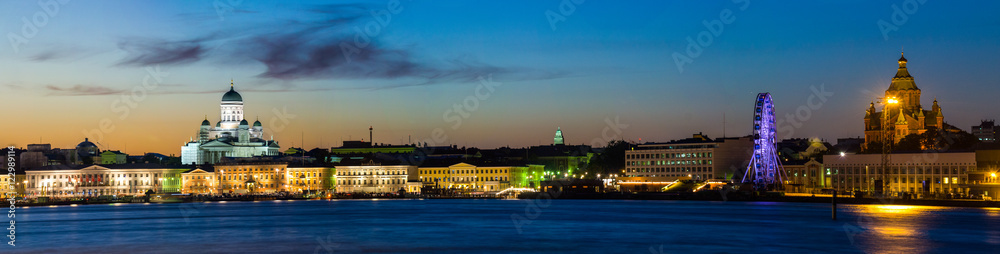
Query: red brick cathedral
point(906, 116)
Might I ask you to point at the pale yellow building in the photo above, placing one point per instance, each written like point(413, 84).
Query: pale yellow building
point(243, 178)
point(199, 181)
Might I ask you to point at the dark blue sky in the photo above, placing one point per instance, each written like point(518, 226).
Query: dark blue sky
point(604, 60)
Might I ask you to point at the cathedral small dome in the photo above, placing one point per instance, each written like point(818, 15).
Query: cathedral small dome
point(85, 144)
point(218, 124)
point(256, 123)
point(244, 122)
point(205, 123)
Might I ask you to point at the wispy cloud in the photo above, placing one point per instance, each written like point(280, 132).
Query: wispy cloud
point(314, 47)
point(148, 52)
point(82, 90)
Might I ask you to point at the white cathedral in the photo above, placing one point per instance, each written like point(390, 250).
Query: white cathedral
point(232, 136)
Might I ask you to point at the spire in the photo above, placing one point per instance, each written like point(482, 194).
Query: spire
point(902, 80)
point(902, 118)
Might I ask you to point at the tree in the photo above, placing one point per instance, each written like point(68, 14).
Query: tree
point(912, 142)
point(936, 140)
point(611, 161)
point(87, 160)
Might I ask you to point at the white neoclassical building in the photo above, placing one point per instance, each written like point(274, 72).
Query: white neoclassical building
point(98, 180)
point(232, 136)
point(373, 177)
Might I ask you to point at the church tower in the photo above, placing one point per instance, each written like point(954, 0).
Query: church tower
point(905, 116)
point(231, 108)
point(903, 88)
point(558, 140)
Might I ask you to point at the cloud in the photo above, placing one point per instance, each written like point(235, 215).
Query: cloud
point(82, 90)
point(324, 42)
point(147, 52)
point(64, 52)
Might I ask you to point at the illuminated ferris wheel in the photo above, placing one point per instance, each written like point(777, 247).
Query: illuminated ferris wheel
point(764, 169)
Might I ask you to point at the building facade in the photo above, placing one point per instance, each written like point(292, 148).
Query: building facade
point(97, 180)
point(312, 179)
point(199, 181)
point(468, 178)
point(113, 157)
point(232, 136)
point(373, 177)
point(652, 166)
point(905, 114)
point(986, 131)
point(805, 176)
point(930, 174)
point(252, 178)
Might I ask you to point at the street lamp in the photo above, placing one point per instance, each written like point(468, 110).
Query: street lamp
point(887, 141)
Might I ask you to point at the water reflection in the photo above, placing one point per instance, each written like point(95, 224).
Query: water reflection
point(894, 228)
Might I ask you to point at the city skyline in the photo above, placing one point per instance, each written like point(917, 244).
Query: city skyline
point(577, 71)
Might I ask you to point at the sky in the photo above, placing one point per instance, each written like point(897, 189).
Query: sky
point(140, 76)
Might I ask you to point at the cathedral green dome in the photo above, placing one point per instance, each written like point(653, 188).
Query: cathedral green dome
point(205, 123)
point(232, 95)
point(244, 122)
point(256, 123)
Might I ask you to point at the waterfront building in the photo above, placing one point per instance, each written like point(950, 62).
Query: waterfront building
point(984, 181)
point(805, 176)
point(311, 179)
point(232, 136)
point(96, 180)
point(923, 174)
point(371, 176)
point(905, 114)
point(469, 178)
point(252, 177)
point(199, 181)
point(986, 131)
point(18, 183)
point(652, 166)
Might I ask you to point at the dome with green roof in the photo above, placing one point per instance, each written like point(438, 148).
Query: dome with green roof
point(232, 95)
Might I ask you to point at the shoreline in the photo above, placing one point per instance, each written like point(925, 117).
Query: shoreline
point(601, 196)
